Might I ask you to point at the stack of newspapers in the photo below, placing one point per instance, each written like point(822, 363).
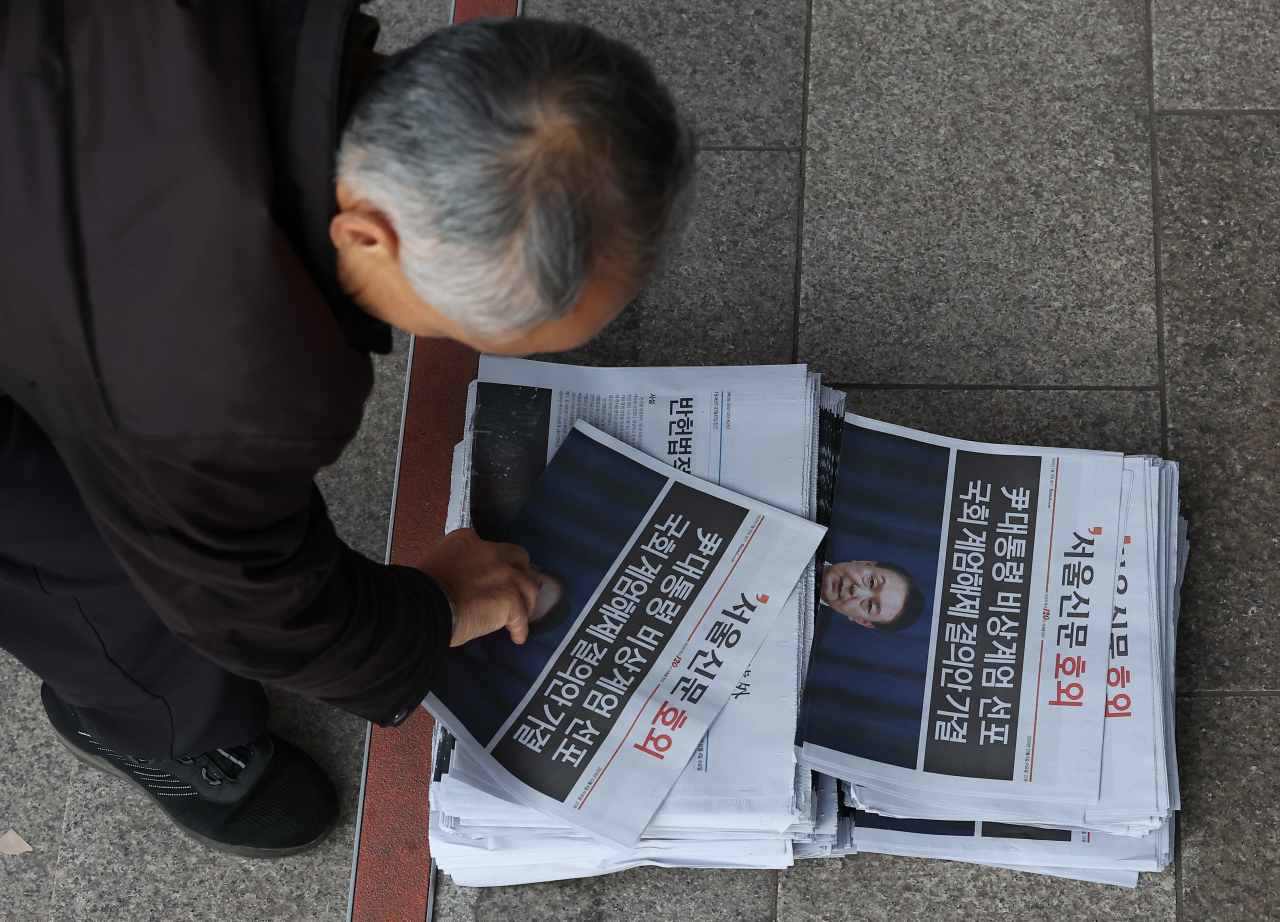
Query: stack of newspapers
point(769, 631)
point(1025, 718)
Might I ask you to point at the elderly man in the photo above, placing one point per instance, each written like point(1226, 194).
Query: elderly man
point(187, 303)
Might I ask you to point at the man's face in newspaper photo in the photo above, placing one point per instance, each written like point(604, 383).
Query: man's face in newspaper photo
point(864, 592)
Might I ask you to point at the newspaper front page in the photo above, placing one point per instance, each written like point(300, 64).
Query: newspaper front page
point(743, 428)
point(998, 564)
point(649, 643)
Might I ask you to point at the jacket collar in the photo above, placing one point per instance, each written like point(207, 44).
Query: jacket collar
point(306, 48)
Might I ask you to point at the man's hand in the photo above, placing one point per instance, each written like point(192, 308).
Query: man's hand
point(491, 585)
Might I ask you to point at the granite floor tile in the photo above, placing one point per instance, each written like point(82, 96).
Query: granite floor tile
point(977, 194)
point(725, 292)
point(404, 22)
point(1216, 55)
point(1127, 421)
point(651, 894)
point(1221, 249)
point(736, 68)
point(454, 903)
point(121, 859)
point(357, 487)
point(883, 888)
point(1229, 762)
point(33, 794)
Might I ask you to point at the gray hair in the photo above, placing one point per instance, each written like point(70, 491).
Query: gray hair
point(512, 156)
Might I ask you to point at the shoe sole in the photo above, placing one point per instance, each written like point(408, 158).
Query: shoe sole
point(242, 851)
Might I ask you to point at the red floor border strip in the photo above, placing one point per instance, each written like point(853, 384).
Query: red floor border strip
point(393, 858)
point(467, 10)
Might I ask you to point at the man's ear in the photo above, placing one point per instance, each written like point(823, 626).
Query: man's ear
point(363, 232)
point(863, 622)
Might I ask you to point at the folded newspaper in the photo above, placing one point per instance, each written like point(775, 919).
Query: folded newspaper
point(976, 663)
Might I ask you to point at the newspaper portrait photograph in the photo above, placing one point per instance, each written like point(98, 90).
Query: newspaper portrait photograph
point(870, 649)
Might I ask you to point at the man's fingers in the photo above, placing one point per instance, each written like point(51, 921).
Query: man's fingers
point(519, 631)
point(528, 586)
point(491, 584)
point(518, 623)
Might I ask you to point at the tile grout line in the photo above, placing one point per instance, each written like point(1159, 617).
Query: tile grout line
point(1179, 911)
point(1157, 240)
point(799, 270)
point(804, 166)
point(858, 386)
point(1267, 113)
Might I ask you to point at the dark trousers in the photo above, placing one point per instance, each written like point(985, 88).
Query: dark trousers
point(70, 614)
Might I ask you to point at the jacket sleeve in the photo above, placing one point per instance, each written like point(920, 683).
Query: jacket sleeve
point(230, 542)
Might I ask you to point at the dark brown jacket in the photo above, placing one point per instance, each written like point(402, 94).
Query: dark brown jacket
point(170, 316)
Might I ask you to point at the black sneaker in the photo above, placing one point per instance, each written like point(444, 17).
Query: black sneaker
point(267, 799)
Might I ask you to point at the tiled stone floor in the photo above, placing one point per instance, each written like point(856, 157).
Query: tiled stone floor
point(1052, 222)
